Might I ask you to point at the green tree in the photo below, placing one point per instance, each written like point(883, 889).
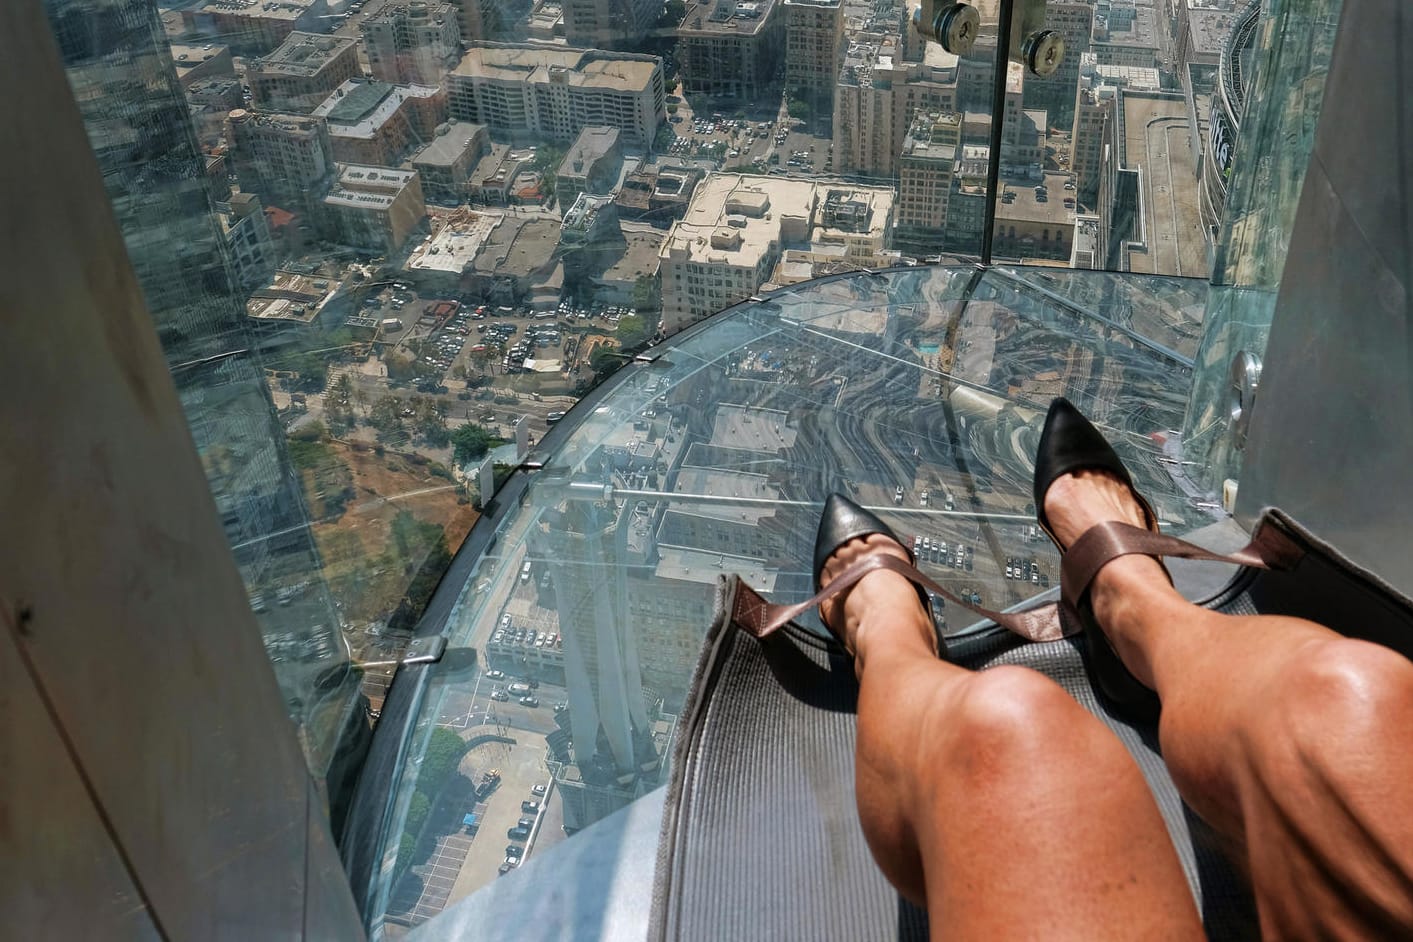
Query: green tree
point(646, 294)
point(313, 372)
point(632, 333)
point(386, 415)
point(799, 109)
point(470, 443)
point(430, 419)
point(604, 360)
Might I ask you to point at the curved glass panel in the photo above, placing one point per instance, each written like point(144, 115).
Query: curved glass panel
point(918, 392)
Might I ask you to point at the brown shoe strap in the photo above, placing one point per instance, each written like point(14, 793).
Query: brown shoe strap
point(1269, 548)
point(761, 618)
point(1104, 542)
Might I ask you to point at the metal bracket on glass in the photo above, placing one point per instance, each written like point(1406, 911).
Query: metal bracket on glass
point(418, 651)
point(1243, 380)
point(1039, 49)
point(953, 26)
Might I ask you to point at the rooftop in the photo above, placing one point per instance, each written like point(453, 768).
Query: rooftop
point(519, 247)
point(593, 143)
point(537, 65)
point(1155, 130)
point(368, 187)
point(706, 233)
point(727, 16)
point(453, 247)
point(262, 9)
point(1027, 207)
point(291, 297)
point(302, 54)
point(447, 146)
point(640, 254)
point(187, 56)
point(358, 107)
point(1209, 29)
point(1142, 31)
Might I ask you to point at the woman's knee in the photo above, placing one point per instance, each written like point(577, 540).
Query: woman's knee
point(1337, 689)
point(1008, 715)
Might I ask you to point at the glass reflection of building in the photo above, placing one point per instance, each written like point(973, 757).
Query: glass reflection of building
point(121, 72)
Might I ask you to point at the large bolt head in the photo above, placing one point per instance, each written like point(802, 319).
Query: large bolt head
point(1044, 51)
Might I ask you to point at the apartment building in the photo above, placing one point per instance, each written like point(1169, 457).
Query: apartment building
point(286, 159)
point(538, 92)
point(445, 163)
point(814, 38)
point(374, 208)
point(731, 49)
point(413, 42)
point(254, 27)
point(1094, 108)
point(377, 123)
point(925, 170)
point(731, 237)
point(878, 94)
point(608, 24)
point(302, 72)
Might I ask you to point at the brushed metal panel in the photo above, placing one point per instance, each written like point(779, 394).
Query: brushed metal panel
point(60, 875)
point(138, 624)
point(1332, 430)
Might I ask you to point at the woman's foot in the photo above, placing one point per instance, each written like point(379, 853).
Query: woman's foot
point(1079, 500)
point(882, 608)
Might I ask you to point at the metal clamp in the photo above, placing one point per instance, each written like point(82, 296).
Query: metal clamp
point(1242, 381)
point(954, 26)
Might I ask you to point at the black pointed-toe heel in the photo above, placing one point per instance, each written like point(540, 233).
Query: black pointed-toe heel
point(1070, 443)
point(843, 520)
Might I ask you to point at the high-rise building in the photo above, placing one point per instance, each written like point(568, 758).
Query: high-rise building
point(138, 125)
point(814, 37)
point(608, 24)
point(543, 92)
point(302, 72)
point(374, 208)
point(877, 96)
point(253, 27)
point(414, 42)
point(731, 48)
point(378, 123)
point(614, 755)
point(731, 238)
point(925, 170)
point(285, 158)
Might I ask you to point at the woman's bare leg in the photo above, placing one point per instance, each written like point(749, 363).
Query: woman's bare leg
point(1289, 739)
point(994, 798)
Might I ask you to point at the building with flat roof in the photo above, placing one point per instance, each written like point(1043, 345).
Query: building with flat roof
point(608, 24)
point(290, 299)
point(732, 235)
point(287, 159)
point(302, 72)
point(254, 27)
point(1204, 28)
point(446, 161)
point(731, 48)
point(537, 92)
point(1150, 218)
point(374, 208)
point(252, 250)
point(1036, 224)
point(518, 261)
point(412, 42)
point(377, 123)
point(877, 96)
point(1128, 35)
point(814, 39)
point(591, 165)
point(925, 170)
point(195, 61)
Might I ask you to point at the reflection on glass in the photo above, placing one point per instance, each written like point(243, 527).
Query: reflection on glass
point(919, 392)
point(389, 241)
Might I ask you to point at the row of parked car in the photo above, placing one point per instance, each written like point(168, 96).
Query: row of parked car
point(530, 810)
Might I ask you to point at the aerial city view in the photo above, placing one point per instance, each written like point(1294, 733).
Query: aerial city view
point(439, 225)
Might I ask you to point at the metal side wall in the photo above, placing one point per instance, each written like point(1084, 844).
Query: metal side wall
point(1331, 437)
point(153, 784)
